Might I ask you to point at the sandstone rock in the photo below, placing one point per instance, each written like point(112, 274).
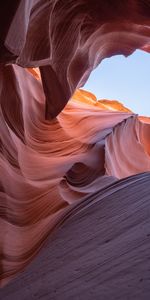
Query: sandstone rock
point(53, 159)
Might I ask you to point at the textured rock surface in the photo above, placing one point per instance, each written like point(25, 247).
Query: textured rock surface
point(49, 164)
point(36, 33)
point(101, 252)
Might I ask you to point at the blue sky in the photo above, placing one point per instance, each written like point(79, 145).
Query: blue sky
point(126, 79)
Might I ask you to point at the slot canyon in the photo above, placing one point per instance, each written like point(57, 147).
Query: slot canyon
point(74, 170)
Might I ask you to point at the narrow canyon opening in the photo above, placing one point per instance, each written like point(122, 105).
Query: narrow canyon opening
point(125, 79)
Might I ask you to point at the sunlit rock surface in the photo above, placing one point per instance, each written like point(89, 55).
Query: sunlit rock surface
point(49, 165)
point(54, 161)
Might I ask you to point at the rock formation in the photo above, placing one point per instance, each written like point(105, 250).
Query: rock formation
point(67, 39)
point(54, 157)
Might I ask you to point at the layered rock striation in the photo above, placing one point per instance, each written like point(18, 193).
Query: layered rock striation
point(54, 156)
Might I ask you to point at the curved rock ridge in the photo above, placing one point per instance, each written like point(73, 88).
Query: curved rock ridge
point(36, 34)
point(51, 157)
point(104, 240)
point(48, 166)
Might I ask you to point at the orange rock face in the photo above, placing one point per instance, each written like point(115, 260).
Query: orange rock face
point(51, 157)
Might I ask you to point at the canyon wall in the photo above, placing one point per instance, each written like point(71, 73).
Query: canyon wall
point(55, 156)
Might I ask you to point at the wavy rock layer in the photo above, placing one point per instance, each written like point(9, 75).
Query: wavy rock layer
point(48, 165)
point(101, 251)
point(36, 33)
